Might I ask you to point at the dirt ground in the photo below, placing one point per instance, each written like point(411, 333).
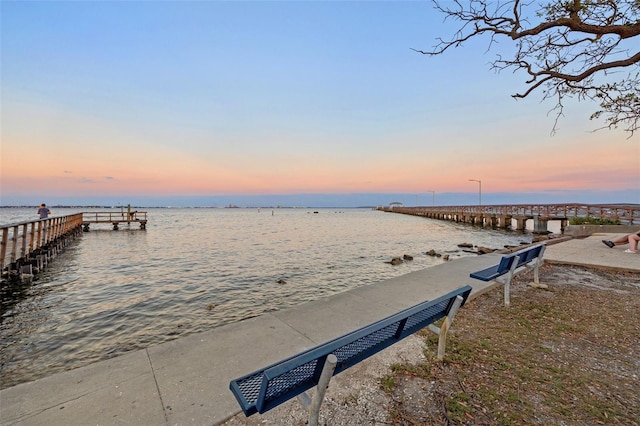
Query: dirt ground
point(565, 355)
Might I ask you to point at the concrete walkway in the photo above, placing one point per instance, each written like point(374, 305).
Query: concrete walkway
point(186, 381)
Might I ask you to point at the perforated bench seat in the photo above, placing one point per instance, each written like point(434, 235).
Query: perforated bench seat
point(269, 387)
point(488, 274)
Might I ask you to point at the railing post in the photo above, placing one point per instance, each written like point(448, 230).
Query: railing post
point(23, 249)
point(32, 235)
point(14, 244)
point(39, 235)
point(45, 232)
point(3, 247)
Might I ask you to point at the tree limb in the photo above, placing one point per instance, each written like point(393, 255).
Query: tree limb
point(571, 48)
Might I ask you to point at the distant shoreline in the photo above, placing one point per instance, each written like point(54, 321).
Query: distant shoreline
point(187, 207)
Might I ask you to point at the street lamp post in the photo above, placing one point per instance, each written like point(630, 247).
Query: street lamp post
point(433, 193)
point(479, 189)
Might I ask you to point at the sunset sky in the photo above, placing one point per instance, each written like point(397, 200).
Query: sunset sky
point(308, 103)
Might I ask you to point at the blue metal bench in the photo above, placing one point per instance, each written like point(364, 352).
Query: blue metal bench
point(510, 264)
point(269, 387)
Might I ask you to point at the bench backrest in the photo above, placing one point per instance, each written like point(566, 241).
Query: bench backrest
point(530, 254)
point(524, 256)
point(267, 388)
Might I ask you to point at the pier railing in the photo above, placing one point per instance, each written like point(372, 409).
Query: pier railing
point(19, 240)
point(114, 218)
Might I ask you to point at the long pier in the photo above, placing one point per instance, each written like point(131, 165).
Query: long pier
point(503, 215)
point(27, 247)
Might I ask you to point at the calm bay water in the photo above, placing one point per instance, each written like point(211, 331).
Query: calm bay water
point(195, 269)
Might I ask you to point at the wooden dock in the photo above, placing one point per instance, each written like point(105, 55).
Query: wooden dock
point(114, 218)
point(26, 247)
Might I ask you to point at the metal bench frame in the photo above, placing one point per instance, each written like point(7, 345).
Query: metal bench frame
point(502, 273)
point(269, 387)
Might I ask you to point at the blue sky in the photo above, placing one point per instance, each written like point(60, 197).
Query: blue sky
point(204, 102)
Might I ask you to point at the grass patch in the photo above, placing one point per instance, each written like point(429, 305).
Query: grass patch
point(458, 406)
point(563, 356)
point(593, 221)
point(388, 383)
point(420, 370)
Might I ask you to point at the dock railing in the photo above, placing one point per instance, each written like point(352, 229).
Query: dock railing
point(20, 239)
point(111, 217)
point(114, 218)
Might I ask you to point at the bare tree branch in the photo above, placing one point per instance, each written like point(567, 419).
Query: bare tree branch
point(568, 48)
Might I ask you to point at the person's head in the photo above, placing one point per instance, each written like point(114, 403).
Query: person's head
point(43, 205)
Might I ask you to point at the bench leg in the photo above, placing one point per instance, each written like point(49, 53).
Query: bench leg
point(323, 383)
point(539, 262)
point(537, 265)
point(507, 281)
point(442, 331)
point(536, 271)
point(507, 295)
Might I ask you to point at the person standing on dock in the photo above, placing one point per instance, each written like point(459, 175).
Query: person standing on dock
point(43, 211)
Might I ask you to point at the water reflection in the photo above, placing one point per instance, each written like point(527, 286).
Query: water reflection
point(194, 269)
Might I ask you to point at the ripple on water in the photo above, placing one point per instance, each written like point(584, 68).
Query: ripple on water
point(195, 269)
